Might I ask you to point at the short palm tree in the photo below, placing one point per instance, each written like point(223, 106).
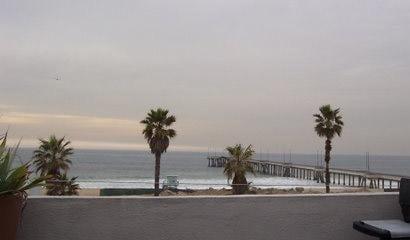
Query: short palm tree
point(237, 166)
point(71, 187)
point(328, 124)
point(158, 133)
point(62, 186)
point(53, 156)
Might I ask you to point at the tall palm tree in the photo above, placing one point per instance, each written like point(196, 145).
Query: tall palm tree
point(52, 158)
point(158, 133)
point(237, 166)
point(328, 124)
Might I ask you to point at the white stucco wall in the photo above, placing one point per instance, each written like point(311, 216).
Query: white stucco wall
point(181, 218)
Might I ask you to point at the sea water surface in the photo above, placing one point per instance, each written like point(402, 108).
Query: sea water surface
point(135, 169)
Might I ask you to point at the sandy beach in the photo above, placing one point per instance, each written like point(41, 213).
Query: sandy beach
point(252, 191)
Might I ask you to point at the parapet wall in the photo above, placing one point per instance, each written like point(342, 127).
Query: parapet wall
point(277, 217)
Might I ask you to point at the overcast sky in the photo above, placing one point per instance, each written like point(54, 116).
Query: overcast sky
point(230, 70)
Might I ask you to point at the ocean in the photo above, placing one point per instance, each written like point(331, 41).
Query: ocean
point(135, 169)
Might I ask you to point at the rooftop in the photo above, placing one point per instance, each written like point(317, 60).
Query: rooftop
point(317, 216)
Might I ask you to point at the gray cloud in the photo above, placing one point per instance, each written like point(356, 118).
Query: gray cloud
point(250, 71)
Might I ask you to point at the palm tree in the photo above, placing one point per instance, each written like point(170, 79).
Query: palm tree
point(158, 133)
point(237, 166)
point(328, 124)
point(62, 186)
point(71, 187)
point(52, 159)
point(53, 156)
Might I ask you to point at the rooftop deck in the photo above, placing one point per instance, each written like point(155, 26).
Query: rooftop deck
point(181, 218)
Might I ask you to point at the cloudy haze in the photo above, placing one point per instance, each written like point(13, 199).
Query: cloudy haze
point(230, 70)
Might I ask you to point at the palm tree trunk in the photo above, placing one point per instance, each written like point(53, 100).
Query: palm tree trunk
point(157, 172)
point(239, 185)
point(328, 148)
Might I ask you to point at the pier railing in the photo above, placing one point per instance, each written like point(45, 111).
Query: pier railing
point(341, 177)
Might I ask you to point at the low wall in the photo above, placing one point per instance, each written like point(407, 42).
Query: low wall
point(178, 218)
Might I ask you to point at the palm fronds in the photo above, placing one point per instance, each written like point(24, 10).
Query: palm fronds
point(328, 122)
point(62, 186)
point(157, 129)
point(238, 165)
point(53, 156)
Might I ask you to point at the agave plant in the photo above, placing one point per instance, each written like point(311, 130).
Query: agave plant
point(14, 180)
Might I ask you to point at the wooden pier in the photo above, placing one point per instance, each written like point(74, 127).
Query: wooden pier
point(341, 177)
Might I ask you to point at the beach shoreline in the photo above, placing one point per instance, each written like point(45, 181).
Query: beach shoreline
point(227, 191)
